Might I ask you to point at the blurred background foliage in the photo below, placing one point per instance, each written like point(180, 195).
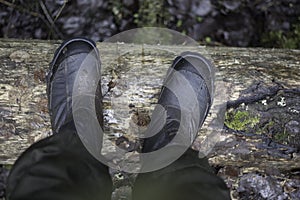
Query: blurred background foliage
point(243, 23)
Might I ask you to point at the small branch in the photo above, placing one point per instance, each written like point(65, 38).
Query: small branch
point(60, 10)
point(270, 143)
point(255, 98)
point(20, 8)
point(50, 20)
point(35, 14)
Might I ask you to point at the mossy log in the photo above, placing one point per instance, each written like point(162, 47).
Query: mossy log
point(132, 75)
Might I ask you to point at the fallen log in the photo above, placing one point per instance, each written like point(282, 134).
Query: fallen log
point(131, 79)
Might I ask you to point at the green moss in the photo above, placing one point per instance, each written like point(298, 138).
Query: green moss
point(240, 120)
point(280, 39)
point(207, 39)
point(179, 23)
point(151, 13)
point(199, 19)
point(116, 7)
point(266, 128)
point(282, 137)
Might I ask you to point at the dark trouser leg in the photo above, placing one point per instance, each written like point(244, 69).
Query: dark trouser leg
point(188, 178)
point(59, 168)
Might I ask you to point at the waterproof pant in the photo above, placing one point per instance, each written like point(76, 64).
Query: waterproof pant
point(60, 168)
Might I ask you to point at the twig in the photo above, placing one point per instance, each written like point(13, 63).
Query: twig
point(257, 97)
point(50, 20)
point(20, 8)
point(60, 10)
point(270, 144)
point(35, 14)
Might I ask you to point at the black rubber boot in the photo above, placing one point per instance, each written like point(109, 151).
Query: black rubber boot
point(60, 167)
point(60, 80)
point(191, 75)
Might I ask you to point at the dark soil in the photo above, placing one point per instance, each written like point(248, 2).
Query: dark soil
point(233, 23)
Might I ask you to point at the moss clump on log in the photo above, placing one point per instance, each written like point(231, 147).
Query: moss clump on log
point(240, 120)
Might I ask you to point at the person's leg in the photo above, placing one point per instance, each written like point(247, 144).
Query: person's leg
point(60, 167)
point(186, 96)
point(188, 178)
